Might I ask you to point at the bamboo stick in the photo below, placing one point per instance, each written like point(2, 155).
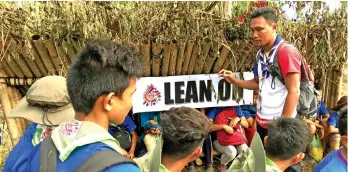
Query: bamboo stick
point(17, 81)
point(18, 97)
point(37, 59)
point(42, 51)
point(181, 55)
point(31, 63)
point(13, 101)
point(189, 50)
point(135, 44)
point(52, 52)
point(326, 85)
point(339, 81)
point(156, 58)
point(193, 59)
point(227, 62)
point(328, 82)
point(166, 58)
point(173, 57)
point(145, 51)
point(224, 52)
point(6, 108)
point(13, 65)
point(211, 58)
point(333, 89)
point(7, 69)
point(203, 56)
point(62, 55)
point(22, 64)
point(69, 50)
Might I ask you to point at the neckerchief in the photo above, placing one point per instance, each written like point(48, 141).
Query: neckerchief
point(264, 59)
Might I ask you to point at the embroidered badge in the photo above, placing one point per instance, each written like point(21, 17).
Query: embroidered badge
point(71, 129)
point(151, 96)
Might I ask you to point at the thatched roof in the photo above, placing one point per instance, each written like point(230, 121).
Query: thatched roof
point(175, 38)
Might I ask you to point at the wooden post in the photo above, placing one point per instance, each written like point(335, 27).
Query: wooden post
point(180, 61)
point(220, 61)
point(62, 55)
point(193, 59)
point(69, 50)
point(42, 51)
point(18, 97)
point(156, 59)
point(13, 101)
point(31, 62)
point(22, 65)
point(339, 84)
point(165, 62)
point(145, 51)
point(173, 56)
point(189, 49)
point(37, 59)
point(203, 55)
point(211, 57)
point(7, 69)
point(6, 108)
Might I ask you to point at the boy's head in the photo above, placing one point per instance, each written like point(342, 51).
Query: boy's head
point(342, 127)
point(263, 25)
point(102, 79)
point(184, 130)
point(287, 139)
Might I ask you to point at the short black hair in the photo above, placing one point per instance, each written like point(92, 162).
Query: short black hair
point(100, 68)
point(287, 137)
point(184, 129)
point(266, 12)
point(342, 122)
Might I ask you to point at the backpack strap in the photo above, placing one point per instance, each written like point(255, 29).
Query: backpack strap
point(48, 155)
point(103, 160)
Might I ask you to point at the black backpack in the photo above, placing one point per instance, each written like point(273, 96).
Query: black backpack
point(123, 137)
point(98, 162)
point(307, 103)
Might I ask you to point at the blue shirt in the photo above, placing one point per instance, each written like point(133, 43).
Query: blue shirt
point(24, 145)
point(334, 162)
point(332, 120)
point(322, 110)
point(31, 161)
point(128, 124)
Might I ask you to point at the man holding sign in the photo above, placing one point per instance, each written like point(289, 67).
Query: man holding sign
point(276, 98)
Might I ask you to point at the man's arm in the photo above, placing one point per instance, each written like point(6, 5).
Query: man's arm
point(332, 130)
point(230, 77)
point(292, 83)
point(134, 143)
point(252, 84)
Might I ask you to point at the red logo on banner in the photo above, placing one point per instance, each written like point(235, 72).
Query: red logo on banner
point(151, 96)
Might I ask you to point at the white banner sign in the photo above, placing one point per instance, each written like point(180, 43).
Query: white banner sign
point(196, 91)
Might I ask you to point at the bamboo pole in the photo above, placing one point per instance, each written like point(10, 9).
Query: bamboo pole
point(211, 57)
point(135, 44)
point(31, 63)
point(13, 101)
point(18, 97)
point(220, 61)
point(227, 62)
point(42, 51)
point(6, 108)
point(52, 52)
point(7, 69)
point(181, 55)
point(166, 58)
point(36, 58)
point(203, 56)
point(69, 50)
point(62, 55)
point(145, 51)
point(22, 65)
point(156, 58)
point(193, 59)
point(17, 81)
point(332, 91)
point(173, 57)
point(13, 65)
point(189, 50)
point(326, 86)
point(328, 82)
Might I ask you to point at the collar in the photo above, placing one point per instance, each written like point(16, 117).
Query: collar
point(271, 166)
point(163, 168)
point(70, 135)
